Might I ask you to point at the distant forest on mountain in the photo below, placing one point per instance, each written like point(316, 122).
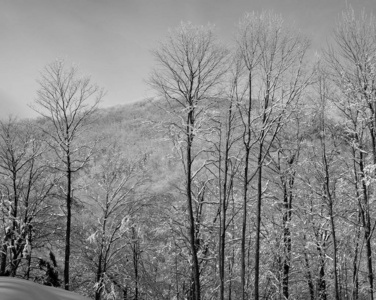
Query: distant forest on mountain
point(252, 174)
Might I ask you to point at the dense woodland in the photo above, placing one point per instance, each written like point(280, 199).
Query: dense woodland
point(251, 176)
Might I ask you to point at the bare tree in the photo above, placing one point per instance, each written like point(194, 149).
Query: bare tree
point(114, 204)
point(68, 102)
point(191, 66)
point(247, 40)
point(283, 159)
point(352, 63)
point(274, 56)
point(25, 186)
point(228, 162)
point(328, 159)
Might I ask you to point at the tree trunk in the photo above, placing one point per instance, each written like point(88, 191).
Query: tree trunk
point(98, 278)
point(192, 227)
point(287, 199)
point(68, 226)
point(15, 226)
point(333, 229)
point(309, 278)
point(135, 262)
point(224, 199)
point(366, 225)
point(355, 292)
point(329, 199)
point(246, 141)
point(321, 282)
point(3, 259)
point(259, 194)
point(367, 237)
point(258, 224)
point(244, 225)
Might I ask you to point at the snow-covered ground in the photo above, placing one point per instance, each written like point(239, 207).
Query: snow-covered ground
point(19, 289)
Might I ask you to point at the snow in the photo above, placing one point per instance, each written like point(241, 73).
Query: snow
point(19, 289)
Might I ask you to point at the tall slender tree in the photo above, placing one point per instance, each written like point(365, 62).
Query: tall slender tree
point(275, 58)
point(191, 67)
point(352, 64)
point(68, 102)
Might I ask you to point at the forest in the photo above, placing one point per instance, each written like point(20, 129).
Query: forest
point(252, 174)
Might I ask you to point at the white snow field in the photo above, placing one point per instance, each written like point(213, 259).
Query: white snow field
point(19, 289)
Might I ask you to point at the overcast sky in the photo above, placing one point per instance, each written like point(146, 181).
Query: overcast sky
point(111, 39)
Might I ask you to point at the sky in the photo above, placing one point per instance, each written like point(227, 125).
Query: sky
point(111, 40)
